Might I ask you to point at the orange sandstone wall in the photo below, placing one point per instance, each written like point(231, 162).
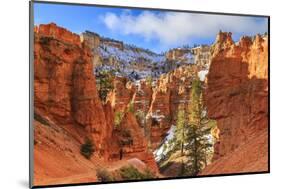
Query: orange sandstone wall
point(65, 94)
point(237, 97)
point(64, 84)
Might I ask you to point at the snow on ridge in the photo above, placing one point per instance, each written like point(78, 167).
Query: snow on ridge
point(136, 63)
point(129, 55)
point(189, 57)
point(150, 63)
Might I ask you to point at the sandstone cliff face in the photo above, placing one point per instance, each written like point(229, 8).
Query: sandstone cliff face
point(177, 54)
point(202, 55)
point(237, 97)
point(68, 110)
point(171, 90)
point(132, 142)
point(64, 84)
point(122, 94)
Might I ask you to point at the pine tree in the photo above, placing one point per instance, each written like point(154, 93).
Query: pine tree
point(193, 137)
point(193, 132)
point(105, 84)
point(87, 149)
point(199, 131)
point(181, 129)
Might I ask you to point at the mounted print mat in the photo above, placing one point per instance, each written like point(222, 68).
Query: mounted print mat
point(124, 94)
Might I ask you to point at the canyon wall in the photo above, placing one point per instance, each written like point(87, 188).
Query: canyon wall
point(177, 54)
point(68, 110)
point(64, 84)
point(67, 101)
point(171, 90)
point(155, 102)
point(237, 97)
point(202, 55)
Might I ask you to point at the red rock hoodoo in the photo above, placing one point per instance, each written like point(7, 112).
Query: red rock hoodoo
point(237, 97)
point(64, 84)
point(157, 101)
point(67, 109)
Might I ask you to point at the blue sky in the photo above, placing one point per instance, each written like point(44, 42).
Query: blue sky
point(155, 30)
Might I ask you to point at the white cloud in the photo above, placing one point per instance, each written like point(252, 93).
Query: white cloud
point(111, 20)
point(173, 28)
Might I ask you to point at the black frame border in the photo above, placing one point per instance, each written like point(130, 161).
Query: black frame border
point(31, 61)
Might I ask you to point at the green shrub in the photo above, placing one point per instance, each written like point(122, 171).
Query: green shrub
point(132, 173)
point(45, 40)
point(148, 174)
point(87, 149)
point(148, 80)
point(131, 107)
point(104, 176)
point(105, 84)
point(118, 118)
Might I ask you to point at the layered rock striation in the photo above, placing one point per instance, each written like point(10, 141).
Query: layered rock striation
point(68, 110)
point(64, 84)
point(155, 102)
point(237, 97)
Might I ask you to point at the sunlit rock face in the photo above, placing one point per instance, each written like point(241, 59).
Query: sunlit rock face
point(171, 91)
point(64, 84)
point(132, 142)
point(67, 108)
point(65, 95)
point(235, 77)
point(155, 103)
point(202, 55)
point(237, 97)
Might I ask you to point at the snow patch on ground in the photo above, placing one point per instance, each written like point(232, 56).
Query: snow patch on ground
point(162, 150)
point(157, 117)
point(202, 74)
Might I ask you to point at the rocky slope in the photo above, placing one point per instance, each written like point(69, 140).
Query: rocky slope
point(68, 110)
point(237, 97)
point(125, 60)
point(135, 63)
